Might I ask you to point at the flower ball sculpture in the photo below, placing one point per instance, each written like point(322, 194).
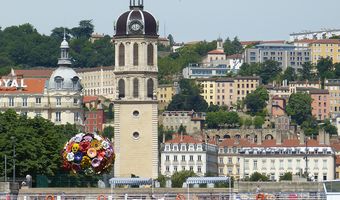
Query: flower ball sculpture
point(88, 154)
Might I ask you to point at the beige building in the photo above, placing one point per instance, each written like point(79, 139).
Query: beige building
point(98, 81)
point(325, 48)
point(135, 104)
point(274, 158)
point(193, 122)
point(57, 98)
point(227, 91)
point(188, 153)
point(165, 93)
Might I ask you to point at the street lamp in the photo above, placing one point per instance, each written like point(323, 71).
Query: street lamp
point(13, 141)
point(306, 171)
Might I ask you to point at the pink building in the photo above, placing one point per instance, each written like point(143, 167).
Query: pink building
point(320, 104)
point(278, 106)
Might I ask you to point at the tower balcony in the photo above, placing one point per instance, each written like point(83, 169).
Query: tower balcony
point(127, 69)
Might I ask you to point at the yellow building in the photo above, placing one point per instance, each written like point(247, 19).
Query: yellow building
point(165, 93)
point(227, 91)
point(208, 89)
point(325, 48)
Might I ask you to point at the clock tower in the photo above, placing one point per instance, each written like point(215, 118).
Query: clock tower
point(136, 106)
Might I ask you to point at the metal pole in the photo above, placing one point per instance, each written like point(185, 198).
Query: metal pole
point(306, 159)
point(229, 188)
point(14, 161)
point(5, 168)
point(188, 191)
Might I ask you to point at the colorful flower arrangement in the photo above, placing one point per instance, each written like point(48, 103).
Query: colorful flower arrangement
point(88, 153)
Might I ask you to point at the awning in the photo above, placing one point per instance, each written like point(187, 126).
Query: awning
point(130, 181)
point(203, 180)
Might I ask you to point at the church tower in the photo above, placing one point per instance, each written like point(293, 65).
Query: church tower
point(136, 106)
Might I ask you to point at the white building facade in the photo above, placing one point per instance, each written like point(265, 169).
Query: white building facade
point(186, 153)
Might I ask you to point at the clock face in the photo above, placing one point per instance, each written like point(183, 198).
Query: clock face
point(136, 26)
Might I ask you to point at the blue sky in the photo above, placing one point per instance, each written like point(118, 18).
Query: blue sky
point(187, 20)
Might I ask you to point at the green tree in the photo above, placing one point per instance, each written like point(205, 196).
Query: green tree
point(258, 122)
point(189, 98)
point(269, 70)
point(171, 40)
point(232, 47)
point(289, 74)
point(232, 119)
point(256, 176)
point(329, 128)
point(305, 73)
point(249, 69)
point(299, 107)
point(109, 132)
point(288, 176)
point(84, 30)
point(257, 100)
point(247, 122)
point(178, 178)
point(325, 68)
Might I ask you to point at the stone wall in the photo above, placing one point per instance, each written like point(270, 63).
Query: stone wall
point(288, 186)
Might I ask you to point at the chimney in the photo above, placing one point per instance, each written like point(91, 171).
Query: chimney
point(259, 138)
point(321, 136)
point(163, 138)
point(278, 137)
point(302, 137)
point(181, 136)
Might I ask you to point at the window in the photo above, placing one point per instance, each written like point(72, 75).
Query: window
point(281, 164)
point(289, 164)
point(175, 168)
point(38, 100)
point(199, 169)
point(135, 54)
point(76, 116)
point(191, 168)
point(199, 158)
point(58, 116)
point(11, 101)
point(59, 82)
point(121, 55)
point(255, 165)
point(135, 88)
point(183, 168)
point(175, 158)
point(150, 88)
point(191, 158)
point(75, 101)
point(58, 99)
point(221, 160)
point(75, 82)
point(38, 114)
point(150, 52)
point(316, 164)
point(121, 88)
point(272, 164)
point(167, 158)
point(167, 168)
point(24, 101)
point(246, 164)
point(324, 164)
point(230, 160)
point(183, 158)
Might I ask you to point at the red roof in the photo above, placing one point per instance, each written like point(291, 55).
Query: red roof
point(305, 41)
point(235, 56)
point(269, 143)
point(34, 73)
point(326, 41)
point(216, 51)
point(246, 43)
point(185, 139)
point(88, 99)
point(34, 86)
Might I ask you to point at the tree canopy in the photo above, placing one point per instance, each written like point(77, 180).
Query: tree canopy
point(23, 46)
point(38, 143)
point(189, 98)
point(299, 107)
point(257, 100)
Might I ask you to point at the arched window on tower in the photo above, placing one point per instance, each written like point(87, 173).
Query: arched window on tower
point(121, 88)
point(135, 54)
point(150, 89)
point(58, 82)
point(135, 88)
point(121, 55)
point(150, 54)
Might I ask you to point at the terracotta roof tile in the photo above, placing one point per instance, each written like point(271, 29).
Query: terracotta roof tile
point(88, 99)
point(34, 86)
point(216, 52)
point(34, 73)
point(186, 139)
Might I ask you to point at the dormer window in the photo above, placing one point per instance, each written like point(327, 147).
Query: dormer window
point(175, 147)
point(59, 82)
point(75, 82)
point(167, 148)
point(199, 147)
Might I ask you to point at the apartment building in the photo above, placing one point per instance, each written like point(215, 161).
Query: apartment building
point(325, 48)
point(286, 55)
point(188, 153)
point(165, 93)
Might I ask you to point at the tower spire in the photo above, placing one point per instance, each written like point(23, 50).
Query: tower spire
point(64, 59)
point(136, 4)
